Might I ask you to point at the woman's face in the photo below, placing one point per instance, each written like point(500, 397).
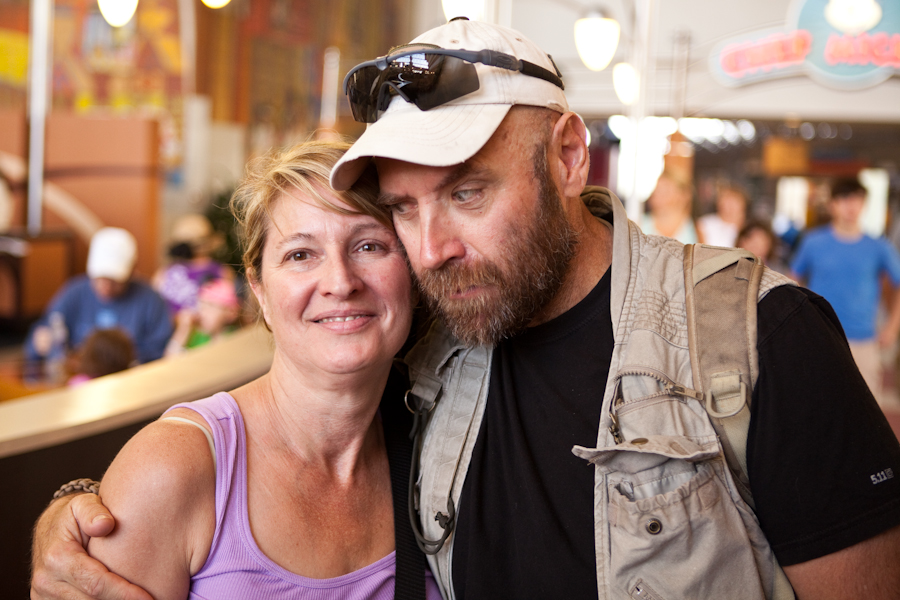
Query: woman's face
point(668, 196)
point(334, 289)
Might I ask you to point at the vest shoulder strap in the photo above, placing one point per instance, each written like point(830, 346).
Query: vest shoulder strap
point(721, 294)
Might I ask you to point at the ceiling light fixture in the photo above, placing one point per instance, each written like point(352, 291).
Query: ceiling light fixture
point(596, 38)
point(117, 12)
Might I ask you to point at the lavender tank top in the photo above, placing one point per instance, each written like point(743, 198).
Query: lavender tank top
point(236, 567)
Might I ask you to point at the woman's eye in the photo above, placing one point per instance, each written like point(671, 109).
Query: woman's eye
point(298, 256)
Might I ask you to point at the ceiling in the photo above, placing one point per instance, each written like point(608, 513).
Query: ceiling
point(708, 23)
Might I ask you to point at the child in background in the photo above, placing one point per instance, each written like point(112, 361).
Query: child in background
point(105, 351)
point(193, 244)
point(758, 238)
point(217, 310)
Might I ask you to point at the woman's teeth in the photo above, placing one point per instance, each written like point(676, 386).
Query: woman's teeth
point(340, 319)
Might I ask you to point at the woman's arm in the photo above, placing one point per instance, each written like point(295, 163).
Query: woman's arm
point(161, 489)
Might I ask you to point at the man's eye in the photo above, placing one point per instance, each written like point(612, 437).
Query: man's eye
point(465, 195)
point(401, 208)
point(370, 247)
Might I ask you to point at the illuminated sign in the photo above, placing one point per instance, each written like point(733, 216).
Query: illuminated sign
point(846, 44)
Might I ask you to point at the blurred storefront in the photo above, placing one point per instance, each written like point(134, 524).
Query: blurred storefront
point(158, 117)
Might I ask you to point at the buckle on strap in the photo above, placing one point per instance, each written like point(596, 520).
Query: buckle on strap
point(426, 390)
point(727, 395)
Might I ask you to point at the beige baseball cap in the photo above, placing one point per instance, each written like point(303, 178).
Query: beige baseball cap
point(452, 133)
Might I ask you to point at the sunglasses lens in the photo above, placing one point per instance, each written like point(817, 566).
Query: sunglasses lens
point(426, 79)
point(362, 92)
point(456, 79)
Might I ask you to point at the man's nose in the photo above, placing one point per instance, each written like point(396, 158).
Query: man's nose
point(440, 242)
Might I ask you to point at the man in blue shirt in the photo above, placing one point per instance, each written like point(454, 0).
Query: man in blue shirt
point(845, 266)
point(106, 298)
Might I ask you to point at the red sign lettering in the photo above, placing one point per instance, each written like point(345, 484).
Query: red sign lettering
point(773, 52)
point(878, 49)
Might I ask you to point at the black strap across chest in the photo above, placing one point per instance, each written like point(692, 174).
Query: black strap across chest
point(397, 423)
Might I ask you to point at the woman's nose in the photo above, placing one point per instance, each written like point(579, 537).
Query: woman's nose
point(340, 278)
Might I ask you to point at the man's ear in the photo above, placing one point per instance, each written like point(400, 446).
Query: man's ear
point(569, 140)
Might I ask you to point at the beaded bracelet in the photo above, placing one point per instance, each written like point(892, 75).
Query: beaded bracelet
point(78, 485)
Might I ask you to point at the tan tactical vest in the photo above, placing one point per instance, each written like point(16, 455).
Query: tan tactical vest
point(669, 522)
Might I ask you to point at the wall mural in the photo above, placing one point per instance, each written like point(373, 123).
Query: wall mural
point(260, 61)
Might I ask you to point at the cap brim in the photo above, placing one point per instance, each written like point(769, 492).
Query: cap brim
point(441, 137)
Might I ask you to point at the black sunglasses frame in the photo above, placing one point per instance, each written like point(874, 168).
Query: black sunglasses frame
point(490, 58)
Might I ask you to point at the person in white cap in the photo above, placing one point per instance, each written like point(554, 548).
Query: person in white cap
point(106, 297)
point(561, 333)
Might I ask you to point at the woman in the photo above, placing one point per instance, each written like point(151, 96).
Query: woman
point(670, 209)
point(297, 502)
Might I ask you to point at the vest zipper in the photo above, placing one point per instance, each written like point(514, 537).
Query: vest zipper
point(670, 388)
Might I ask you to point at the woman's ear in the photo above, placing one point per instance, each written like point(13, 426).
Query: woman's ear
point(569, 140)
point(256, 286)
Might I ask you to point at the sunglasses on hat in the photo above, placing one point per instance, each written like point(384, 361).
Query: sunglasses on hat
point(427, 76)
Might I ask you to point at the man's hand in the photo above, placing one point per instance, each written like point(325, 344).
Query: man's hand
point(42, 340)
point(61, 568)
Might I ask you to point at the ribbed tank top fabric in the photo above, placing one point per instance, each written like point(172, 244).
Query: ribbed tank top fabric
point(236, 567)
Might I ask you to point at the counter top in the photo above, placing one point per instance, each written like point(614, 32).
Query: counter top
point(135, 395)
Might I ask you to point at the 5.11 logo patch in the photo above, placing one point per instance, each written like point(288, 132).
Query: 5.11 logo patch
point(882, 476)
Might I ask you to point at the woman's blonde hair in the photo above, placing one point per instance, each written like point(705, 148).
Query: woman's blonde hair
point(302, 172)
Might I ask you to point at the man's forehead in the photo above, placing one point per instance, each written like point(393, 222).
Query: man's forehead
point(405, 178)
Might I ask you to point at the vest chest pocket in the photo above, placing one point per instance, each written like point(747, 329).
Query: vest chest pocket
point(674, 520)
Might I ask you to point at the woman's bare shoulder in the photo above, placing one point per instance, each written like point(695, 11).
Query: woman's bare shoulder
point(161, 491)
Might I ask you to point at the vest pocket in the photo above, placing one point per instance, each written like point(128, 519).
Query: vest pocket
point(675, 528)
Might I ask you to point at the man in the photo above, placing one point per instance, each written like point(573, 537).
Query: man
point(538, 300)
point(106, 298)
point(846, 266)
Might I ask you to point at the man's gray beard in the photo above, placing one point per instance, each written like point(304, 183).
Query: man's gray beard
point(515, 289)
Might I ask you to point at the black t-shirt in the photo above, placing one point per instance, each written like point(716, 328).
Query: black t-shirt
point(821, 456)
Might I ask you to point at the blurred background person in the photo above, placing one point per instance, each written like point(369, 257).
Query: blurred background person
point(670, 208)
point(721, 228)
point(104, 352)
point(846, 266)
point(106, 297)
point(191, 252)
point(215, 315)
point(758, 238)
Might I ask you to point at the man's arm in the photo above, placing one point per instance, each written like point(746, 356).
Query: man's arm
point(156, 328)
point(890, 331)
point(869, 569)
point(61, 568)
point(38, 341)
point(891, 269)
point(829, 509)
